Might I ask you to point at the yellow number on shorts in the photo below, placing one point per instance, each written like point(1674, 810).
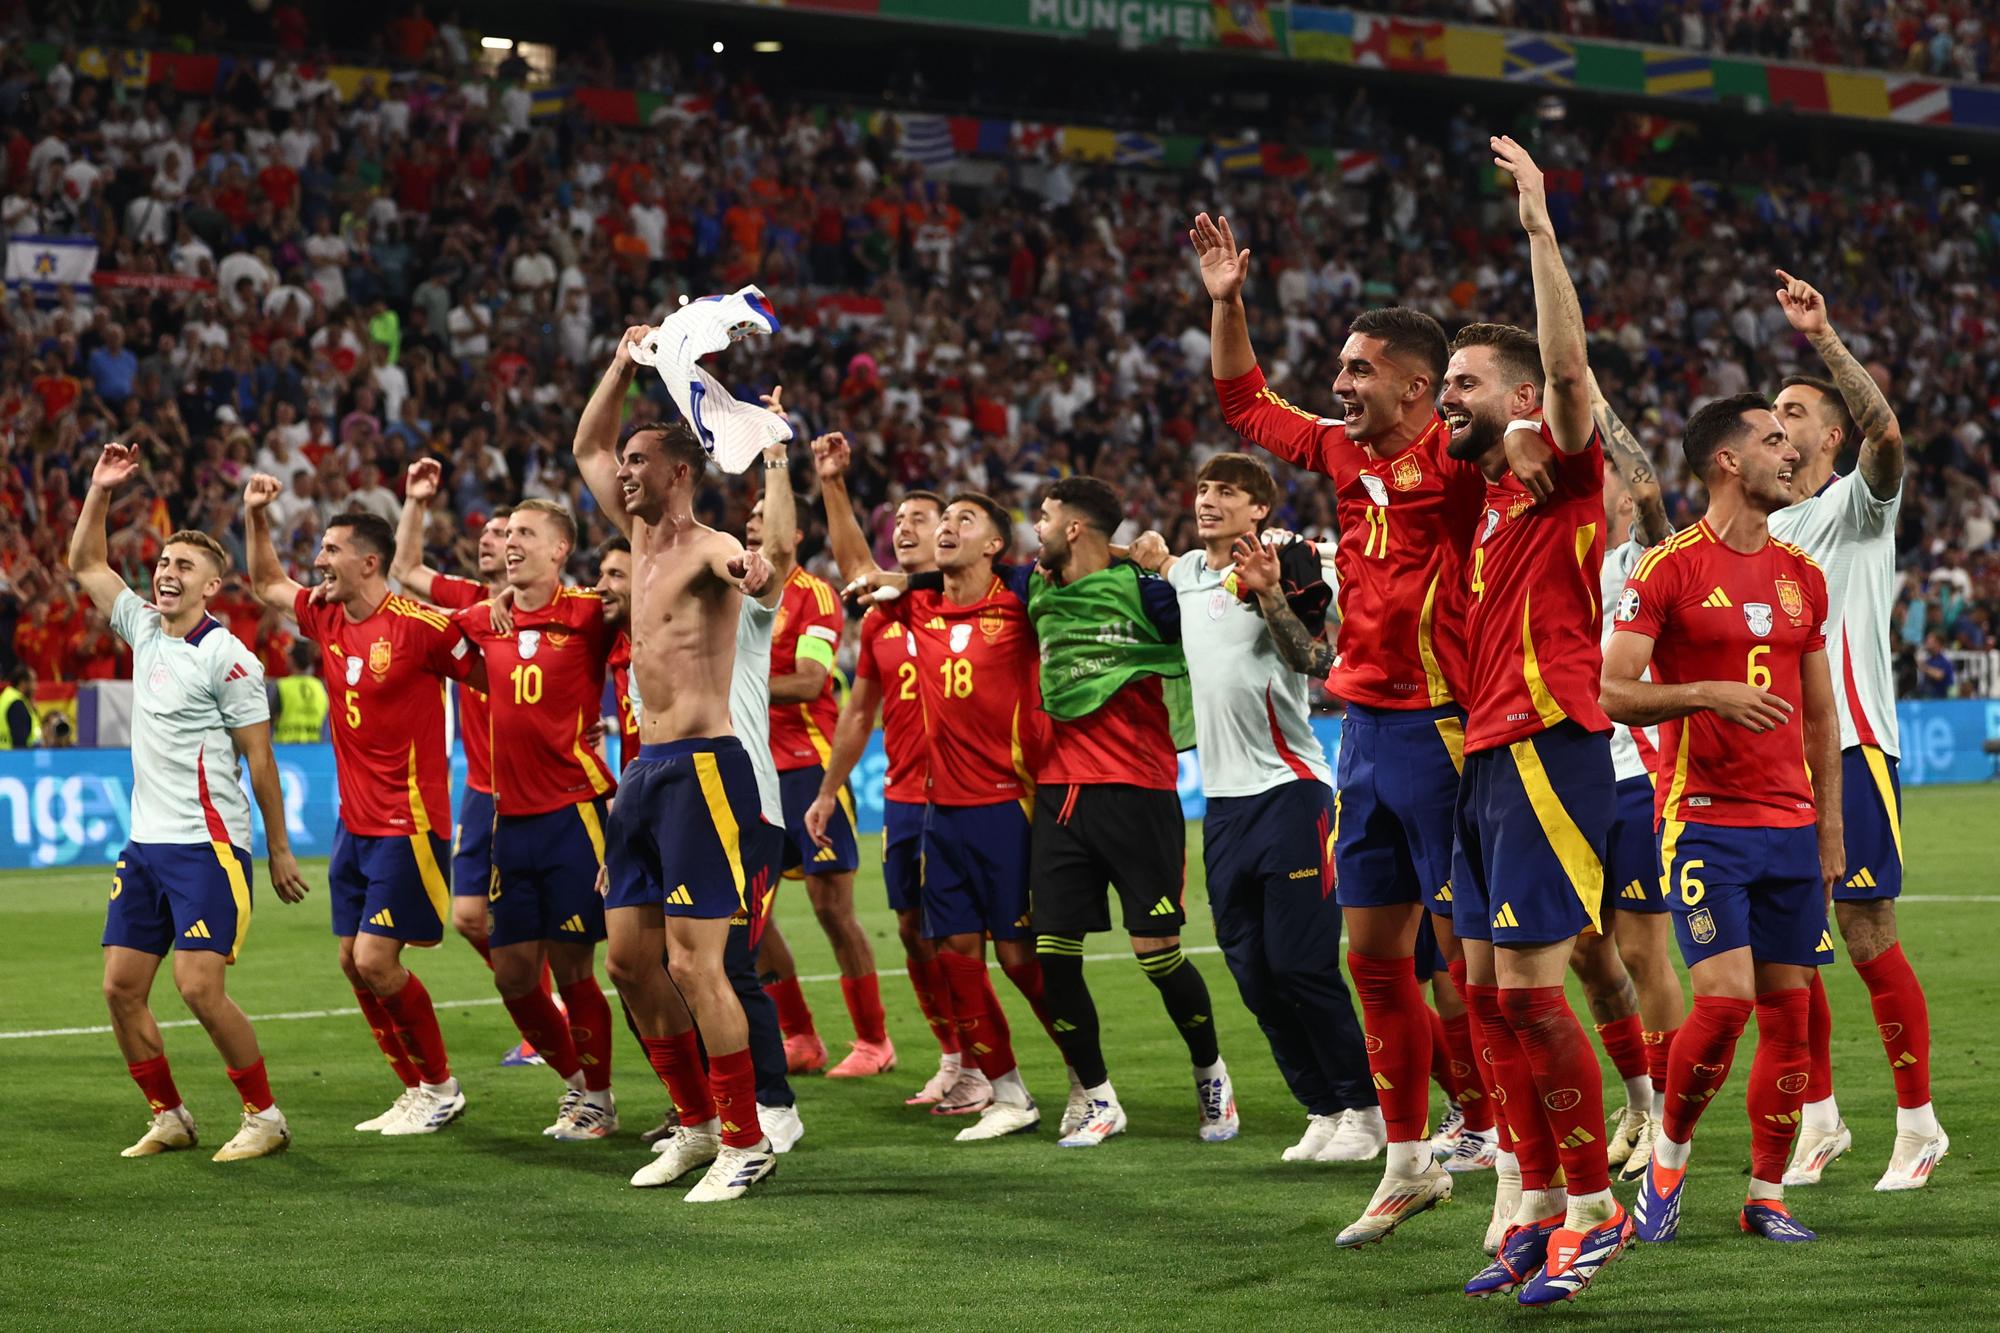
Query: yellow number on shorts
point(527, 684)
point(906, 679)
point(957, 677)
point(1692, 889)
point(1377, 543)
point(1478, 571)
point(353, 700)
point(1760, 675)
point(117, 882)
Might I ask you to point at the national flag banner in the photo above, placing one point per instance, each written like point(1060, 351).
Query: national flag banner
point(1747, 81)
point(1239, 156)
point(1370, 38)
point(1416, 48)
point(49, 262)
point(1245, 24)
point(130, 69)
point(1976, 108)
point(1680, 74)
point(925, 140)
point(1357, 167)
point(1796, 88)
point(1475, 53)
point(1322, 34)
point(1914, 98)
point(1031, 136)
point(1532, 58)
point(151, 282)
point(549, 102)
point(1141, 150)
point(613, 106)
point(1088, 143)
point(1617, 69)
point(1282, 162)
point(1857, 93)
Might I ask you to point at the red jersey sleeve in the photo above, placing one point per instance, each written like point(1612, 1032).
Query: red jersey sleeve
point(1260, 416)
point(311, 615)
point(1816, 601)
point(454, 593)
point(1646, 605)
point(873, 622)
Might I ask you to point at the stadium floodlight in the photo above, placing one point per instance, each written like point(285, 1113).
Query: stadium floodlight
point(767, 48)
point(497, 43)
point(717, 48)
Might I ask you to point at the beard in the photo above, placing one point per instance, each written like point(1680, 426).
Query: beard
point(1481, 434)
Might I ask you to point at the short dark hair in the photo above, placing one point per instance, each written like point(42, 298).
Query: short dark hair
point(498, 512)
point(1245, 474)
point(1715, 425)
point(1406, 333)
point(616, 544)
point(1003, 521)
point(371, 531)
point(677, 439)
point(1097, 501)
point(1519, 355)
point(1832, 402)
point(931, 496)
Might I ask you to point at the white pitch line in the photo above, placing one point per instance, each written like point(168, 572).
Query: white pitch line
point(481, 1003)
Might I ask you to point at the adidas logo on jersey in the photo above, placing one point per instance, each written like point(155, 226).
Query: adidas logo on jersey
point(1505, 917)
point(574, 926)
point(382, 918)
point(1861, 879)
point(198, 931)
point(1718, 598)
point(680, 897)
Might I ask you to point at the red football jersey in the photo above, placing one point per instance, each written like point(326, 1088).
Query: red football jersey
point(1531, 635)
point(1406, 525)
point(620, 665)
point(889, 658)
point(474, 722)
point(978, 671)
point(802, 733)
point(385, 688)
point(547, 682)
point(1717, 614)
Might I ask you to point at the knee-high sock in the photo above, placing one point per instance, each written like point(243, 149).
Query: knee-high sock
point(417, 1028)
point(982, 1039)
point(864, 1007)
point(795, 1016)
point(1482, 1109)
point(156, 1081)
point(1568, 1079)
point(1903, 1020)
point(1441, 1056)
point(933, 992)
point(1186, 996)
point(1517, 1105)
point(677, 1060)
point(383, 1029)
point(1398, 1037)
point(1702, 1054)
point(543, 1026)
point(1473, 1103)
point(732, 1084)
point(1777, 1081)
point(590, 1031)
point(1659, 1053)
point(253, 1086)
point(1819, 1041)
point(1027, 979)
point(1070, 1005)
point(1625, 1046)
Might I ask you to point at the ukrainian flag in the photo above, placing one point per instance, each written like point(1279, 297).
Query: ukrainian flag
point(1322, 34)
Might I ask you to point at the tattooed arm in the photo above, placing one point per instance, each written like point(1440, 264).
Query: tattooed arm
point(1629, 456)
point(1257, 573)
point(1881, 434)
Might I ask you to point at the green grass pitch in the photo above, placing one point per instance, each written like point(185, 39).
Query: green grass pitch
point(878, 1220)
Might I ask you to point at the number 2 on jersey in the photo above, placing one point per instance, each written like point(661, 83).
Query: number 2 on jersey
point(906, 680)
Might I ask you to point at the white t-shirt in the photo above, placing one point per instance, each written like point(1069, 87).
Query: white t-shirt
point(649, 223)
point(1627, 760)
point(1252, 717)
point(749, 702)
point(187, 694)
point(1852, 537)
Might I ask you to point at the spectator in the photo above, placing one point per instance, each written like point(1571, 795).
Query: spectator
point(1937, 672)
point(20, 729)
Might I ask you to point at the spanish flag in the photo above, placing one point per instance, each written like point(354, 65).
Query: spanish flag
point(1245, 23)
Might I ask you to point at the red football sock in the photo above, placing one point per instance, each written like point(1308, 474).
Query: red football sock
point(157, 1082)
point(795, 1017)
point(417, 1028)
point(1659, 1052)
point(484, 950)
point(986, 1043)
point(1778, 1076)
point(993, 1009)
point(1819, 1041)
point(1481, 1085)
point(1441, 1056)
point(252, 1086)
point(1567, 1078)
point(732, 1083)
point(1904, 1021)
point(864, 1006)
point(1625, 1045)
point(934, 999)
point(384, 1029)
point(1027, 979)
point(1398, 1040)
point(590, 1031)
point(1703, 1050)
point(1473, 1102)
point(677, 1060)
point(543, 1026)
point(1516, 1105)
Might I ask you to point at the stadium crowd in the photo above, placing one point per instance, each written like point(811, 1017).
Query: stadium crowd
point(328, 291)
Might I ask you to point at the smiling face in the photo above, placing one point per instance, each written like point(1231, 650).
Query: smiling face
point(614, 580)
point(1764, 460)
point(344, 564)
point(1809, 425)
point(966, 537)
point(648, 475)
point(184, 578)
point(536, 548)
point(1373, 385)
point(915, 534)
point(1224, 511)
point(1479, 399)
point(1055, 526)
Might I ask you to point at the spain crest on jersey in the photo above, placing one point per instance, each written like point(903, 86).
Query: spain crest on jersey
point(1791, 597)
point(378, 657)
point(1757, 615)
point(531, 643)
point(1405, 474)
point(990, 624)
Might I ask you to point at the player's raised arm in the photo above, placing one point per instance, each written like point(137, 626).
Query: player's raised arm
point(253, 742)
point(1558, 316)
point(1257, 574)
point(843, 530)
point(420, 487)
point(780, 545)
point(89, 559)
point(1823, 761)
point(850, 742)
point(1223, 269)
point(274, 587)
point(596, 442)
point(1630, 458)
point(1881, 463)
